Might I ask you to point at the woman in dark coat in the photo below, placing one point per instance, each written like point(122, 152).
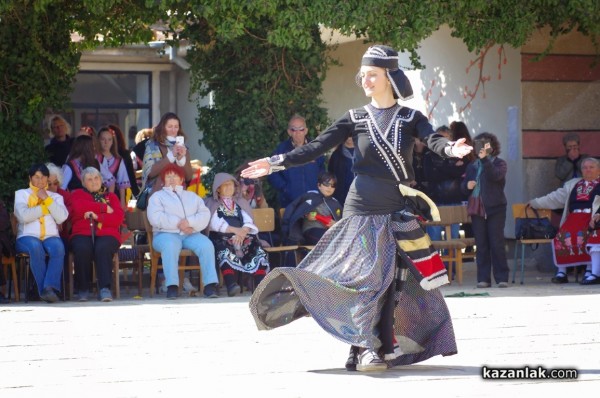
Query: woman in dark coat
point(487, 176)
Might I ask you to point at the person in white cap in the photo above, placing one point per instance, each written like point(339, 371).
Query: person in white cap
point(348, 283)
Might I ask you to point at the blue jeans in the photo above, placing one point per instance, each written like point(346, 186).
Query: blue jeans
point(435, 231)
point(169, 245)
point(45, 275)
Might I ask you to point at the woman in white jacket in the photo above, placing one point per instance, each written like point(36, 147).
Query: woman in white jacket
point(578, 240)
point(177, 217)
point(39, 212)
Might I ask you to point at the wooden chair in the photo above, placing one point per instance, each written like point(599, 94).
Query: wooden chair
point(155, 256)
point(131, 257)
point(23, 265)
point(13, 280)
point(451, 250)
point(519, 211)
point(264, 219)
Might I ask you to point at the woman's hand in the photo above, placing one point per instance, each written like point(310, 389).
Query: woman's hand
point(109, 209)
point(460, 148)
point(183, 224)
point(188, 231)
point(179, 151)
point(241, 232)
point(89, 214)
point(237, 240)
point(471, 184)
point(595, 219)
point(42, 194)
point(331, 223)
point(257, 169)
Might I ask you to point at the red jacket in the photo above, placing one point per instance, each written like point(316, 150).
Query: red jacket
point(107, 224)
point(65, 228)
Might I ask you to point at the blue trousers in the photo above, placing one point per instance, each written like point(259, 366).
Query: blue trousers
point(46, 275)
point(169, 245)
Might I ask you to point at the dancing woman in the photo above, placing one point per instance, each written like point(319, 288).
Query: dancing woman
point(347, 282)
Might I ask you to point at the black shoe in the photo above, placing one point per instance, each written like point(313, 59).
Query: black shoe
point(591, 280)
point(233, 290)
point(352, 360)
point(48, 295)
point(210, 291)
point(172, 291)
point(561, 277)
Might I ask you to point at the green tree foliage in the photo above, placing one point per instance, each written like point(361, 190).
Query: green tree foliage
point(38, 62)
point(36, 70)
point(257, 87)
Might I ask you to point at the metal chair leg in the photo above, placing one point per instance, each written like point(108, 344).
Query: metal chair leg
point(522, 263)
point(515, 264)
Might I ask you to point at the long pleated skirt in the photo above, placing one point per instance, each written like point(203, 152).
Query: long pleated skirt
point(342, 283)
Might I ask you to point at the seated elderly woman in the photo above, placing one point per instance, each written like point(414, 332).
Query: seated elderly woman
point(39, 212)
point(178, 217)
point(95, 236)
point(577, 241)
point(234, 234)
point(54, 182)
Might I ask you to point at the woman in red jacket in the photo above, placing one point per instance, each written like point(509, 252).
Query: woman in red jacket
point(95, 236)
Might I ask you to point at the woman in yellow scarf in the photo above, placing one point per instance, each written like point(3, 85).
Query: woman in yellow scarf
point(39, 212)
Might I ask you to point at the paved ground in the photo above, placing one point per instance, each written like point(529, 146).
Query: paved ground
point(211, 348)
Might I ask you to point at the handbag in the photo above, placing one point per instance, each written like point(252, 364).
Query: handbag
point(534, 227)
point(142, 198)
point(475, 206)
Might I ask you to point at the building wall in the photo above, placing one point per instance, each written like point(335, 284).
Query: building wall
point(439, 92)
point(561, 94)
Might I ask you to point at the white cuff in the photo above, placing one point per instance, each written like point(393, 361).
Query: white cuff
point(448, 149)
point(181, 162)
point(171, 157)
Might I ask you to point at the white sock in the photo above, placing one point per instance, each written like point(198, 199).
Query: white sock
point(595, 255)
point(561, 270)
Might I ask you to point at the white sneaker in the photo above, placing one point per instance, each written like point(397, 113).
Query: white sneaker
point(369, 361)
point(188, 287)
point(163, 286)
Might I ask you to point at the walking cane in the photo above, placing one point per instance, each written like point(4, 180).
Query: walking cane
point(93, 236)
point(93, 229)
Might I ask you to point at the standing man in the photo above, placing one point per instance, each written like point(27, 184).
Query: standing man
point(296, 181)
point(60, 145)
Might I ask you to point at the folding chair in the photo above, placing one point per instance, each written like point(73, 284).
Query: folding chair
point(519, 211)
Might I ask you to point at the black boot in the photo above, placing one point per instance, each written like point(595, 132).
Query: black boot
point(233, 289)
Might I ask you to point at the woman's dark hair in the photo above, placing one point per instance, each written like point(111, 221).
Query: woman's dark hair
point(495, 144)
point(41, 167)
point(83, 149)
point(326, 177)
point(121, 146)
point(159, 131)
point(459, 130)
